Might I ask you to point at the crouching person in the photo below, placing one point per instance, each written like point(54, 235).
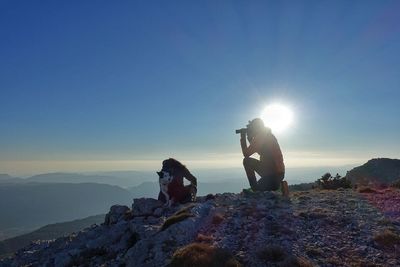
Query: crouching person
point(172, 188)
point(270, 166)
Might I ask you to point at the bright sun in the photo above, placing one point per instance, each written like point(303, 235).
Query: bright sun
point(277, 117)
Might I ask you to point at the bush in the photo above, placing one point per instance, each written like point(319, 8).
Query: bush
point(327, 181)
point(202, 255)
point(387, 238)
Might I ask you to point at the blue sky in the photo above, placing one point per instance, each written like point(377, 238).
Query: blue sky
point(93, 85)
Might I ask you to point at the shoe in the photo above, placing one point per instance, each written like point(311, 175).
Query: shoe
point(248, 192)
point(285, 189)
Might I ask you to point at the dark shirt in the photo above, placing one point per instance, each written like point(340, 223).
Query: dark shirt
point(177, 188)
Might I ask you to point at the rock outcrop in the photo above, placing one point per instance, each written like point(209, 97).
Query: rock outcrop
point(313, 228)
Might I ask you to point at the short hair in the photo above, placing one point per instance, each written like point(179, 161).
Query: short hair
point(256, 124)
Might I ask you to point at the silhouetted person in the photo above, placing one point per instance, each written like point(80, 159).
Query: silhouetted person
point(177, 191)
point(270, 166)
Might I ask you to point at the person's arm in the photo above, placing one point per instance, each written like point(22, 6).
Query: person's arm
point(193, 182)
point(252, 148)
point(277, 155)
point(243, 144)
point(190, 177)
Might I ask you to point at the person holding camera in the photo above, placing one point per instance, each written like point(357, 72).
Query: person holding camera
point(270, 166)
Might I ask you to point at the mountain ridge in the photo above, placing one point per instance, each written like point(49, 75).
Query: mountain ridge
point(45, 203)
point(312, 228)
point(377, 170)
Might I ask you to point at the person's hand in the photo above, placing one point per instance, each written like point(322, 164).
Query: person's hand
point(193, 189)
point(243, 135)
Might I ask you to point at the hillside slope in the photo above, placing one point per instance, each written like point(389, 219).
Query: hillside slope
point(32, 205)
point(379, 170)
point(5, 178)
point(47, 232)
point(59, 177)
point(325, 228)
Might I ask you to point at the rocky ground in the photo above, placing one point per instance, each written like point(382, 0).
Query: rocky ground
point(386, 200)
point(312, 228)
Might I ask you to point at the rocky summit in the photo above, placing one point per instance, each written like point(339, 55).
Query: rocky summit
point(311, 228)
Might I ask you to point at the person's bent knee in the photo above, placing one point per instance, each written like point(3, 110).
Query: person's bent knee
point(246, 161)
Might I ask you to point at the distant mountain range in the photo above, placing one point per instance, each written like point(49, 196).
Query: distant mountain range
point(5, 178)
point(48, 232)
point(26, 206)
point(127, 179)
point(122, 179)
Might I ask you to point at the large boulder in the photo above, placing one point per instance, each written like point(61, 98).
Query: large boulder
point(145, 206)
point(116, 213)
point(155, 246)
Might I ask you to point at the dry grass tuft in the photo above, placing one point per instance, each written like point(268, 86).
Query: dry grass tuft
point(387, 238)
point(217, 218)
point(204, 238)
point(178, 217)
point(367, 190)
point(277, 256)
point(175, 219)
point(202, 255)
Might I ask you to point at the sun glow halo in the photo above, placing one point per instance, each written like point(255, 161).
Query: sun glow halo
point(278, 117)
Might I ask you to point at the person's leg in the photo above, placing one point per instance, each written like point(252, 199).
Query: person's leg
point(251, 165)
point(187, 197)
point(161, 197)
point(270, 182)
point(285, 189)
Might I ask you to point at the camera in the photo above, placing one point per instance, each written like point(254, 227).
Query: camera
point(243, 130)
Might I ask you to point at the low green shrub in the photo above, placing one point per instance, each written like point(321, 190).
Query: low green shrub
point(327, 181)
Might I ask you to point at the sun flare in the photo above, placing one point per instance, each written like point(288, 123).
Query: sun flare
point(278, 117)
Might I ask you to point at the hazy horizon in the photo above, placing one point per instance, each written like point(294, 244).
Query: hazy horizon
point(30, 168)
point(294, 175)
